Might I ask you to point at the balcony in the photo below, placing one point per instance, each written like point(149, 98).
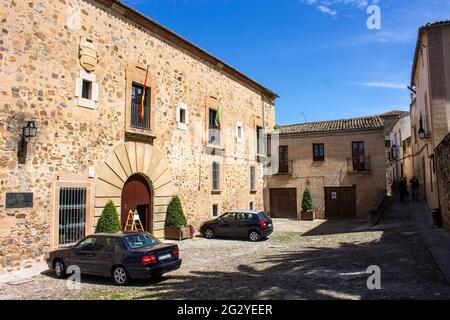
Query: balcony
point(136, 121)
point(358, 164)
point(137, 129)
point(285, 168)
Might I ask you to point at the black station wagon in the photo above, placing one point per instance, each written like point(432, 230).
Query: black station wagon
point(122, 256)
point(253, 225)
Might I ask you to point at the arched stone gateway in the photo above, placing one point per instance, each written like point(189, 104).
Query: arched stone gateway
point(134, 163)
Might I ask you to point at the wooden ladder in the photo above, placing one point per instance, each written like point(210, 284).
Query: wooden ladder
point(133, 224)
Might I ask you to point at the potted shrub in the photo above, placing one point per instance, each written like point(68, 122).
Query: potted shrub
point(109, 220)
point(176, 228)
point(307, 206)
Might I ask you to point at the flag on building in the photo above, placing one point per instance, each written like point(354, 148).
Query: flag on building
point(218, 116)
point(144, 91)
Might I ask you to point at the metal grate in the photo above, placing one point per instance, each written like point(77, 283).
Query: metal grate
point(136, 121)
point(72, 215)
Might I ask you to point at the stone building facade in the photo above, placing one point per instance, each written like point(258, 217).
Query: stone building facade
point(443, 179)
point(430, 105)
point(77, 69)
point(401, 149)
point(341, 162)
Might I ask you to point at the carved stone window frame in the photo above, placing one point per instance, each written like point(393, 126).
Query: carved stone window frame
point(136, 74)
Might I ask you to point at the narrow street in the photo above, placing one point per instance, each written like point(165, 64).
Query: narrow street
point(302, 260)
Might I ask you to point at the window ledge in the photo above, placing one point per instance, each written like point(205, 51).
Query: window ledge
point(135, 134)
point(216, 192)
point(214, 149)
point(182, 126)
point(253, 191)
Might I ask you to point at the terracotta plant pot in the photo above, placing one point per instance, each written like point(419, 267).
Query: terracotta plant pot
point(177, 233)
point(308, 215)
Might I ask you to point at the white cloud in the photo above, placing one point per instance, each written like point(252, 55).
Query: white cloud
point(330, 7)
point(327, 10)
point(382, 84)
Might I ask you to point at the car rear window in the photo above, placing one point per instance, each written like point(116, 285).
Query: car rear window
point(263, 216)
point(140, 240)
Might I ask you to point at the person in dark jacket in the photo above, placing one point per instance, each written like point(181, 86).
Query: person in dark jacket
point(403, 189)
point(415, 185)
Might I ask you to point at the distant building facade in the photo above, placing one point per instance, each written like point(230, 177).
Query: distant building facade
point(430, 105)
point(401, 149)
point(342, 163)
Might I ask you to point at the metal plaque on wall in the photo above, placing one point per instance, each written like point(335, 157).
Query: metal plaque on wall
point(19, 200)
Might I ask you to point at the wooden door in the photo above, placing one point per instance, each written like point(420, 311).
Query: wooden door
point(340, 202)
point(358, 155)
point(136, 195)
point(283, 203)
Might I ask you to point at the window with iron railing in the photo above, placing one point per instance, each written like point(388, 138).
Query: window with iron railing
point(140, 119)
point(72, 215)
point(214, 129)
point(252, 178)
point(215, 176)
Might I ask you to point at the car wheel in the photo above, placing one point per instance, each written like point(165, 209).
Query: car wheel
point(120, 276)
point(254, 236)
point(209, 233)
point(60, 269)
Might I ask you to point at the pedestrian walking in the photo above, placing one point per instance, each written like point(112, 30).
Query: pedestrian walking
point(403, 189)
point(415, 185)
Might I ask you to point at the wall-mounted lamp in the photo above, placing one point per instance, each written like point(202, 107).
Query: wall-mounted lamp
point(29, 131)
point(421, 133)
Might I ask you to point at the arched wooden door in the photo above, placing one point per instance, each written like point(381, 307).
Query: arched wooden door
point(136, 195)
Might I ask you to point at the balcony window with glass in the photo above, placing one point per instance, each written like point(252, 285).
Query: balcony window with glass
point(140, 119)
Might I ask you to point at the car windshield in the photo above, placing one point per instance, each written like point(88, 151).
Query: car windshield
point(263, 216)
point(140, 240)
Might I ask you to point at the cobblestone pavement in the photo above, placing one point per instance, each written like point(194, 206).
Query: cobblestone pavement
point(301, 260)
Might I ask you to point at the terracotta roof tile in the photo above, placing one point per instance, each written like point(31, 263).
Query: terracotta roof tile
point(364, 123)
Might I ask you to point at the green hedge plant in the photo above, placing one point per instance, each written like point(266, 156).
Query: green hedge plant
point(175, 216)
point(109, 220)
point(307, 203)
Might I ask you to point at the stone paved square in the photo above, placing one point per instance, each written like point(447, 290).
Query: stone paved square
point(301, 260)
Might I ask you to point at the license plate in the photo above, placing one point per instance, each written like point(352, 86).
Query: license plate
point(165, 256)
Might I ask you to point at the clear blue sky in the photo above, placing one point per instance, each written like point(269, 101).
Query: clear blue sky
point(318, 55)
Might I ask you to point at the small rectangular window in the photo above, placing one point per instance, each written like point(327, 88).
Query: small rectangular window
point(252, 179)
point(318, 152)
point(183, 116)
point(239, 132)
point(216, 176)
point(215, 210)
point(251, 206)
point(86, 91)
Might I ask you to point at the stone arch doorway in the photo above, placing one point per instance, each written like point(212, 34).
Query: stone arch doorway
point(126, 160)
point(137, 196)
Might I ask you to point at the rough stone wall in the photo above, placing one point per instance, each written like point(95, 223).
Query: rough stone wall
point(38, 66)
point(443, 179)
point(334, 170)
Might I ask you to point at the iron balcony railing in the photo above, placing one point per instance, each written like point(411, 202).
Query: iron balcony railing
point(358, 164)
point(136, 121)
point(285, 167)
point(72, 215)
